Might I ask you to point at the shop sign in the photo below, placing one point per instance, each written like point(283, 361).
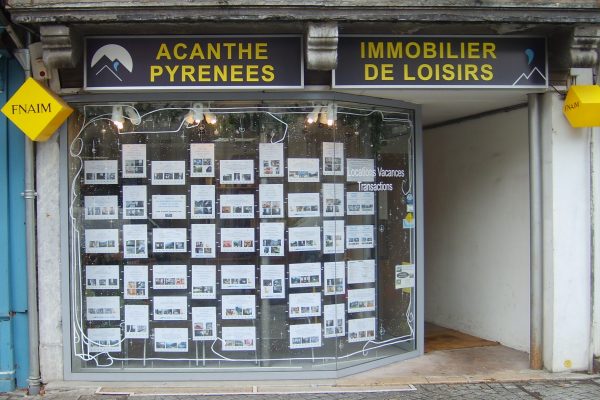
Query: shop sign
point(193, 62)
point(36, 111)
point(441, 62)
point(582, 106)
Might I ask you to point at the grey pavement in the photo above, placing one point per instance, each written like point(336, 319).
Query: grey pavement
point(580, 389)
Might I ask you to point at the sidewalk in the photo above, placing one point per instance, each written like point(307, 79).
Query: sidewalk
point(581, 389)
point(495, 372)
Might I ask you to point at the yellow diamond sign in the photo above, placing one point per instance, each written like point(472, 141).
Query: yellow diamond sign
point(36, 111)
point(582, 106)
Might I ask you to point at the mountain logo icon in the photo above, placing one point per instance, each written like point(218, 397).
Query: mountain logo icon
point(112, 58)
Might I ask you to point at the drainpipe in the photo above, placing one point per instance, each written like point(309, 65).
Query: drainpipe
point(535, 226)
point(30, 227)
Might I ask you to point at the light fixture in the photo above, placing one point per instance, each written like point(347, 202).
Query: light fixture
point(117, 117)
point(313, 116)
point(210, 117)
point(198, 114)
point(323, 116)
point(133, 115)
point(331, 113)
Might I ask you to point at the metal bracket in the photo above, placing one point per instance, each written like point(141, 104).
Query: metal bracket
point(29, 194)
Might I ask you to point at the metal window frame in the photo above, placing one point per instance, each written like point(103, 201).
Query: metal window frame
point(184, 374)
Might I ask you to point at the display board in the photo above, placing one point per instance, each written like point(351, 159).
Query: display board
point(258, 241)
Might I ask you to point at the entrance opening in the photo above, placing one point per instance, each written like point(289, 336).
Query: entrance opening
point(476, 180)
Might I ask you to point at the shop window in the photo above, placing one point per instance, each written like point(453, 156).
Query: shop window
point(226, 236)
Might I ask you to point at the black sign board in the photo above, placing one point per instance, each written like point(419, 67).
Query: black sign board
point(441, 62)
point(193, 62)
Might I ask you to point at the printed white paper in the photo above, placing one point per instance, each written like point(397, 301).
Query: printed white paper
point(305, 336)
point(333, 236)
point(100, 172)
point(202, 201)
point(171, 206)
point(361, 300)
point(361, 330)
point(136, 321)
point(405, 276)
point(271, 160)
point(271, 200)
point(361, 271)
point(100, 241)
point(169, 240)
point(305, 275)
point(305, 238)
point(134, 160)
point(101, 207)
point(335, 320)
point(360, 236)
point(169, 277)
point(303, 170)
point(202, 156)
point(333, 199)
point(304, 305)
point(272, 281)
point(204, 281)
point(304, 205)
point(238, 277)
point(204, 323)
point(102, 277)
point(170, 308)
point(333, 158)
point(134, 202)
point(203, 241)
point(271, 239)
point(239, 338)
point(168, 172)
point(360, 203)
point(360, 170)
point(103, 308)
point(237, 240)
point(235, 172)
point(236, 206)
point(167, 340)
point(238, 307)
point(135, 282)
point(335, 277)
point(104, 340)
point(135, 240)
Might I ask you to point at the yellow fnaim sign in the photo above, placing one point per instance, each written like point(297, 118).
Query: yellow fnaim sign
point(582, 106)
point(36, 111)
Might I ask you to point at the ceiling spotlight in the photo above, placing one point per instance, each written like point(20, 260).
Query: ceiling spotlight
point(331, 114)
point(323, 116)
point(117, 117)
point(133, 115)
point(313, 116)
point(196, 114)
point(210, 117)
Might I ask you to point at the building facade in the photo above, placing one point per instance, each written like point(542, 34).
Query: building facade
point(291, 189)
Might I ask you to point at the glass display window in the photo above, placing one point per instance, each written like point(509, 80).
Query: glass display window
point(229, 236)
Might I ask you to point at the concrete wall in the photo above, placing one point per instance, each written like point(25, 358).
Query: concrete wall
point(567, 239)
point(477, 227)
point(49, 276)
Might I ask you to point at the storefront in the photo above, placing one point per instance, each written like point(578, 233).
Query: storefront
point(239, 231)
point(231, 206)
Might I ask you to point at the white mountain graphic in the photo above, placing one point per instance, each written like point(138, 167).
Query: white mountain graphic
point(527, 77)
point(107, 68)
